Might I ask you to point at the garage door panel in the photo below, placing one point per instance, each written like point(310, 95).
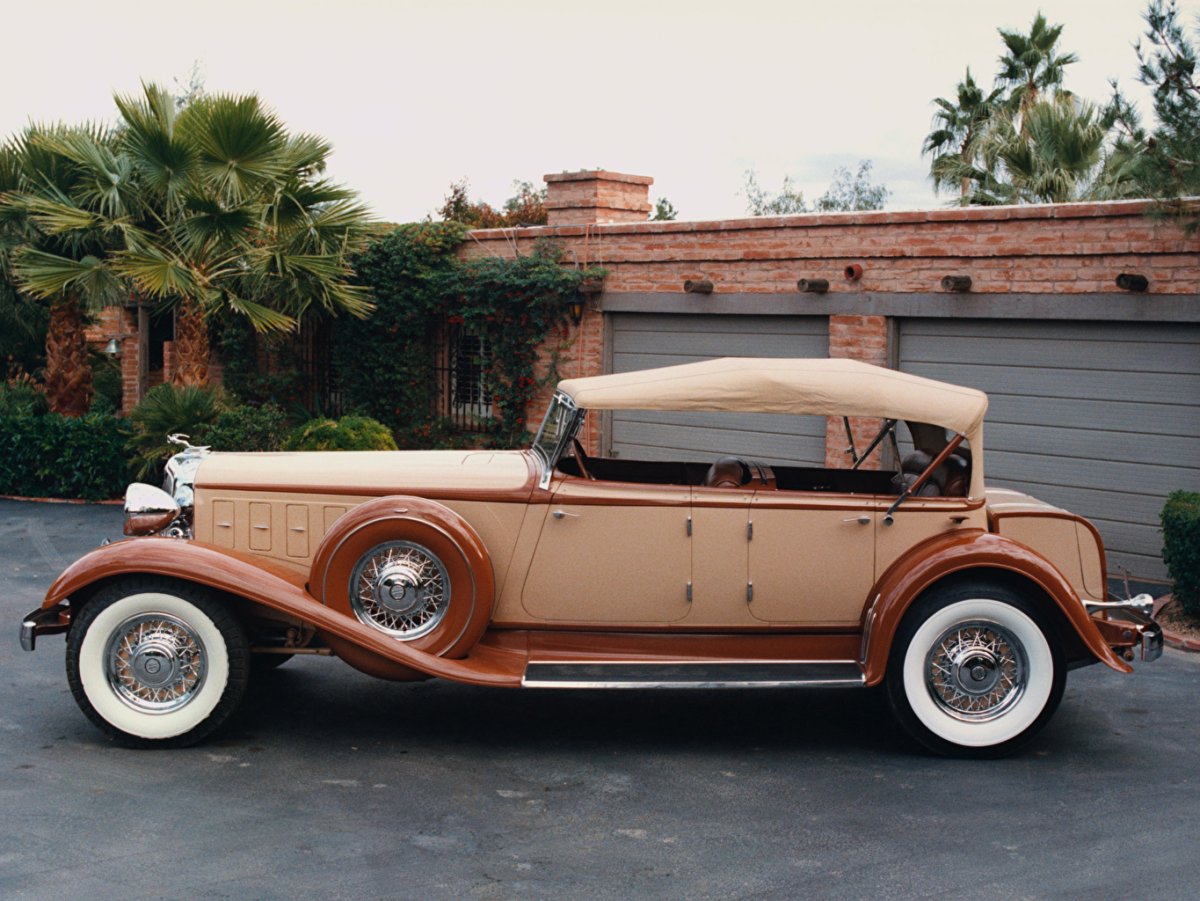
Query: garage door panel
point(648, 341)
point(1100, 333)
point(1148, 387)
point(674, 442)
point(626, 362)
point(1048, 470)
point(1091, 503)
point(1082, 444)
point(1102, 418)
point(1053, 353)
point(1137, 565)
point(702, 346)
point(749, 422)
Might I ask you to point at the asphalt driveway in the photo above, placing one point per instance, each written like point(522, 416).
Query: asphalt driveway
point(334, 785)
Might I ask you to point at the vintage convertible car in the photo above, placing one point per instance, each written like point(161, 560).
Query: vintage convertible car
point(549, 568)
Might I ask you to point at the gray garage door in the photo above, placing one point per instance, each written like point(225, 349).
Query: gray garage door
point(643, 341)
point(1102, 418)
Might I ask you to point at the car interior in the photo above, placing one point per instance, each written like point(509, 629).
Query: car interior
point(951, 479)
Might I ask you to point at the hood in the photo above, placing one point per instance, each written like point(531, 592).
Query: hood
point(370, 473)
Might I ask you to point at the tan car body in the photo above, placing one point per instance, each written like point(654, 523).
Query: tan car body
point(552, 568)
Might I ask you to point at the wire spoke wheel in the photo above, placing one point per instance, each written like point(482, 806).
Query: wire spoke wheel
point(976, 671)
point(401, 588)
point(155, 663)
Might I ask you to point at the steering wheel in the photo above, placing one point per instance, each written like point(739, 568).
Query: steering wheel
point(581, 459)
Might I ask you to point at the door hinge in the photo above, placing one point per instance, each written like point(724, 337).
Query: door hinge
point(689, 527)
point(689, 592)
point(750, 530)
point(749, 592)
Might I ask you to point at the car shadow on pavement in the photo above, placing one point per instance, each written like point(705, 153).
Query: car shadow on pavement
point(300, 703)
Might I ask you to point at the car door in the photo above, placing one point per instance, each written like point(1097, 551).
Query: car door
point(611, 553)
point(811, 557)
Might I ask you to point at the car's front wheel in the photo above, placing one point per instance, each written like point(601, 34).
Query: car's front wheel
point(974, 671)
point(156, 663)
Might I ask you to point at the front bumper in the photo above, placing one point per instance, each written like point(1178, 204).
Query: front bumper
point(1126, 625)
point(44, 621)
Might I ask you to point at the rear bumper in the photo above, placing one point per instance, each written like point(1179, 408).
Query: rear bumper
point(44, 621)
point(1126, 625)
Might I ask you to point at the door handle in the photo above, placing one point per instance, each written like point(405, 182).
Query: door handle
point(861, 520)
point(559, 514)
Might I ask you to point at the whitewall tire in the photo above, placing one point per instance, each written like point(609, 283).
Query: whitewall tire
point(156, 663)
point(974, 671)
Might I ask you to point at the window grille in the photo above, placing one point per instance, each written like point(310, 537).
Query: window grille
point(462, 366)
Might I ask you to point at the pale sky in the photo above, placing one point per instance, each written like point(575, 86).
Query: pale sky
point(415, 95)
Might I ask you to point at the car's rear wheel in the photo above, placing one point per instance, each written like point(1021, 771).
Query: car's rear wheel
point(974, 671)
point(156, 663)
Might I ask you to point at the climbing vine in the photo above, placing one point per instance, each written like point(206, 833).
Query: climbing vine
point(385, 364)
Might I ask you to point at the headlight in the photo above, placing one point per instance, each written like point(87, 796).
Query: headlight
point(148, 509)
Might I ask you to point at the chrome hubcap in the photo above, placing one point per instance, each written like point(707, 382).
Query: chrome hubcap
point(976, 671)
point(401, 588)
point(155, 663)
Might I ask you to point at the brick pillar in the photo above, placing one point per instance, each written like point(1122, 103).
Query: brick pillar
point(130, 391)
point(855, 338)
point(595, 196)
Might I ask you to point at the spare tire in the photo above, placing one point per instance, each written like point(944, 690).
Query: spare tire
point(411, 568)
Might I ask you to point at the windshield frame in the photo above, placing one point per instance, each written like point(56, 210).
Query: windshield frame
point(558, 427)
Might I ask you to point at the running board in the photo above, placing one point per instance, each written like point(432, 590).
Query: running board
point(772, 674)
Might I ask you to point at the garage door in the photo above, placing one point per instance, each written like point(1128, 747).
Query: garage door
point(644, 341)
point(1102, 418)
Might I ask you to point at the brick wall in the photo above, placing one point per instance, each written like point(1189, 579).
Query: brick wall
point(1059, 250)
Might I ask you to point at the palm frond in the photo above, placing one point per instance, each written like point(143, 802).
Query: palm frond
point(46, 275)
point(240, 145)
point(262, 317)
point(165, 161)
point(158, 274)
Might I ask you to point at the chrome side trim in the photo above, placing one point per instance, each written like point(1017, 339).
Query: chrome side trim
point(770, 674)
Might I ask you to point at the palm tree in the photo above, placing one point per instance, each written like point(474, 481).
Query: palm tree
point(1031, 64)
point(64, 264)
point(957, 124)
point(214, 207)
point(1055, 155)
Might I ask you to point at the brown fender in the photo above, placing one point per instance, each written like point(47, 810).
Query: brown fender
point(427, 523)
point(933, 560)
point(264, 582)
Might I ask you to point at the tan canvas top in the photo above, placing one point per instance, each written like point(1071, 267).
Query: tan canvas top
point(756, 385)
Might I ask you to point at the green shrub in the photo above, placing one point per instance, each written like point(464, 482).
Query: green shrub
point(245, 428)
point(62, 456)
point(347, 433)
point(1181, 547)
point(165, 410)
point(22, 399)
point(107, 386)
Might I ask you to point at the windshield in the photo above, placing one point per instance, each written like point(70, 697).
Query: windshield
point(562, 418)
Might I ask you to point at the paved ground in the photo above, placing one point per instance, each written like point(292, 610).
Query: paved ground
point(333, 785)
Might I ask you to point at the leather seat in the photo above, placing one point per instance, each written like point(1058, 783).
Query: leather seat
point(951, 479)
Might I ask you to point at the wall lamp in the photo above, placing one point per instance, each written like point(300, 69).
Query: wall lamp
point(575, 306)
point(813, 285)
point(1129, 281)
point(112, 349)
point(698, 286)
point(959, 283)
